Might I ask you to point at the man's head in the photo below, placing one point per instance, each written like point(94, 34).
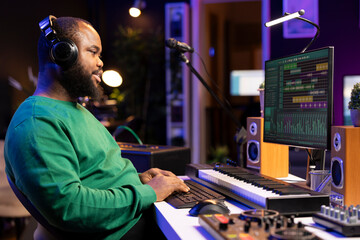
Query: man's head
point(83, 77)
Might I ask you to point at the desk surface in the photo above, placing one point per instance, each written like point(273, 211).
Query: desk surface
point(178, 224)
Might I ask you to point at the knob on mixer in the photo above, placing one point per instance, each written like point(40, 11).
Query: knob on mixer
point(343, 219)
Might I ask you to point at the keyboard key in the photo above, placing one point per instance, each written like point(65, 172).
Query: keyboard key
point(197, 193)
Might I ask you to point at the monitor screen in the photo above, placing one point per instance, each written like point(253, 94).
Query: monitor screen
point(298, 99)
point(349, 81)
point(245, 82)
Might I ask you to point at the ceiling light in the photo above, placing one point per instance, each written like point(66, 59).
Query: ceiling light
point(135, 10)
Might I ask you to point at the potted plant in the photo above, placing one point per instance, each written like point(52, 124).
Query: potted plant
point(354, 105)
point(140, 55)
point(218, 155)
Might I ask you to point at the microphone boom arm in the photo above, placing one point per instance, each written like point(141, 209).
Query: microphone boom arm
point(241, 131)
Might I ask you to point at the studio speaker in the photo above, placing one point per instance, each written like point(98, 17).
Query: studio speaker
point(269, 158)
point(345, 165)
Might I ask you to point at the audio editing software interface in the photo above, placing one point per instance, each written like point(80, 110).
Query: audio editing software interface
point(298, 99)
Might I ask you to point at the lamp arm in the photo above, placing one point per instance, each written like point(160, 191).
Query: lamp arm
point(312, 23)
point(316, 35)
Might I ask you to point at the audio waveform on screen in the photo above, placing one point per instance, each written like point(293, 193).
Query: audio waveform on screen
point(310, 124)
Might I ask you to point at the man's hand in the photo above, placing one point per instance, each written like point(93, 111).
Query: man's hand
point(151, 173)
point(165, 185)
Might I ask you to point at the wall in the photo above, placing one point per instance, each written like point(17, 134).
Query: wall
point(20, 32)
point(19, 35)
point(339, 27)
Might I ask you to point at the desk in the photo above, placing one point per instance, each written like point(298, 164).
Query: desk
point(178, 224)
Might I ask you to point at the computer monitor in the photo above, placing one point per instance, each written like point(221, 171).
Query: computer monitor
point(298, 99)
point(348, 83)
point(245, 82)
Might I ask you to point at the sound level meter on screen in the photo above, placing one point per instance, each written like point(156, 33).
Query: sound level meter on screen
point(298, 99)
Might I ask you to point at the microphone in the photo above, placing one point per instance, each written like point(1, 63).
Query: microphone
point(180, 46)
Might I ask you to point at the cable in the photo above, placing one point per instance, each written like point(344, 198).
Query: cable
point(213, 82)
point(312, 161)
point(131, 131)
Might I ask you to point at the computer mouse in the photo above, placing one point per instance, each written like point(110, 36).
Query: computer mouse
point(209, 206)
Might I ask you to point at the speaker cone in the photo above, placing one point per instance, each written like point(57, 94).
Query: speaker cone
point(337, 172)
point(253, 151)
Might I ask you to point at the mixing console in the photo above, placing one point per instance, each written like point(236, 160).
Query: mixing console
point(345, 220)
point(254, 224)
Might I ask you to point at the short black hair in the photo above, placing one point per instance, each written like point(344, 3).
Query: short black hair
point(65, 28)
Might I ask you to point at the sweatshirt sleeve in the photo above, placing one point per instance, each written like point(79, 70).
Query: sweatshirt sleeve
point(47, 170)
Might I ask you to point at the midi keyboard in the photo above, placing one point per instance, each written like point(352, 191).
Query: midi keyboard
point(258, 191)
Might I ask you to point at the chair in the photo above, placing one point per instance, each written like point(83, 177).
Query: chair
point(45, 230)
point(11, 210)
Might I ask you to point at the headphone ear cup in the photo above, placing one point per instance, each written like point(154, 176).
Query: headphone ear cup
point(64, 53)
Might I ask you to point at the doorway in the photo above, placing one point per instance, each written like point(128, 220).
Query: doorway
point(229, 36)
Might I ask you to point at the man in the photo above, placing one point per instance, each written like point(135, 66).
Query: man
point(59, 155)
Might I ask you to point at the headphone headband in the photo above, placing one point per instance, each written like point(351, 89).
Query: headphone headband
point(46, 26)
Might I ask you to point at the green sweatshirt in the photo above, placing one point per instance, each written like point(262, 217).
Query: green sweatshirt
point(69, 166)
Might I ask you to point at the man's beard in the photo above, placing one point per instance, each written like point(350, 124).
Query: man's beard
point(78, 83)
